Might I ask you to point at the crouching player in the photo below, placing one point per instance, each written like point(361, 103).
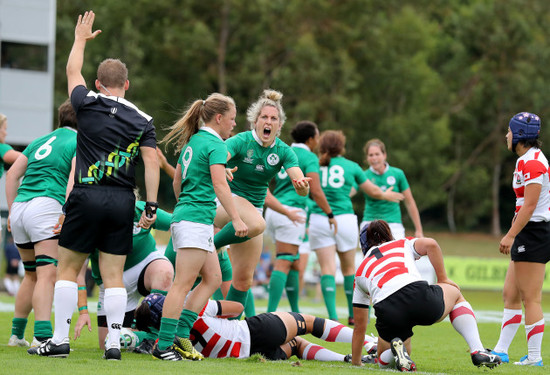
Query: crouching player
point(274, 335)
point(388, 279)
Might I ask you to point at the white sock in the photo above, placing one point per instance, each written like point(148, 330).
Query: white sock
point(534, 333)
point(386, 360)
point(319, 353)
point(65, 298)
point(115, 309)
point(464, 322)
point(511, 319)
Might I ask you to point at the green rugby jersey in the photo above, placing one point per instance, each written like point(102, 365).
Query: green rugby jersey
point(376, 209)
point(336, 180)
point(48, 166)
point(257, 165)
point(284, 190)
point(196, 201)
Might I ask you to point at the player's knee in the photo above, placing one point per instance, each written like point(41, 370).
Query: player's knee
point(213, 280)
point(162, 279)
point(256, 227)
point(242, 284)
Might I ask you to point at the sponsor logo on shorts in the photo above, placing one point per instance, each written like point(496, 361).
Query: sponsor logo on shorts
point(272, 159)
point(521, 249)
point(116, 326)
point(69, 321)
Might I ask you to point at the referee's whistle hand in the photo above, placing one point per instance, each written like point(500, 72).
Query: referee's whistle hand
point(145, 222)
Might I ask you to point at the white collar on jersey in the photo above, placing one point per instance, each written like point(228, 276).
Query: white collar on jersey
point(385, 170)
point(260, 141)
point(211, 131)
point(69, 128)
point(301, 145)
point(122, 101)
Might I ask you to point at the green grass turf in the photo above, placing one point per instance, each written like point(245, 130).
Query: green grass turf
point(436, 349)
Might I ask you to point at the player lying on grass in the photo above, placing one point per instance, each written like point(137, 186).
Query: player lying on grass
point(273, 335)
point(388, 279)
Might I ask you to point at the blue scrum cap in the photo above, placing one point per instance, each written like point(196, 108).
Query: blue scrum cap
point(524, 126)
point(363, 239)
point(155, 302)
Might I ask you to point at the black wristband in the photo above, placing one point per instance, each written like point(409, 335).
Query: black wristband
point(330, 215)
point(151, 208)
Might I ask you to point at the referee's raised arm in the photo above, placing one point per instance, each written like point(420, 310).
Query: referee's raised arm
point(82, 33)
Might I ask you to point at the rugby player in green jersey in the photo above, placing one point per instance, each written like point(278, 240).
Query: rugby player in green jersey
point(338, 175)
point(255, 157)
point(35, 207)
point(289, 235)
point(385, 176)
point(200, 177)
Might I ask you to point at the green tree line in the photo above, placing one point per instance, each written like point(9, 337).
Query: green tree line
point(436, 80)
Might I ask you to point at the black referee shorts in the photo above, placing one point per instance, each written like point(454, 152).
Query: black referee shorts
point(532, 244)
point(99, 217)
point(416, 304)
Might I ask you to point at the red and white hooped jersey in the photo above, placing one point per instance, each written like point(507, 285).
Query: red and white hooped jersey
point(384, 270)
point(532, 168)
point(220, 338)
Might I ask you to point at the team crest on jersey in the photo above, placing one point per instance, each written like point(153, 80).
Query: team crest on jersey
point(248, 158)
point(390, 180)
point(136, 229)
point(272, 159)
point(518, 178)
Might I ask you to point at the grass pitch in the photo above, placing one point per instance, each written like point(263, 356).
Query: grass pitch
point(437, 349)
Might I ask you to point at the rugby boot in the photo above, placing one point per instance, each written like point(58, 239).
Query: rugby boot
point(525, 361)
point(365, 359)
point(503, 356)
point(402, 360)
point(145, 347)
point(15, 341)
point(49, 349)
point(186, 349)
point(112, 354)
point(485, 358)
point(170, 354)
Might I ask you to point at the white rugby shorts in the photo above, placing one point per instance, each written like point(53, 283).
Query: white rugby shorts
point(188, 234)
point(322, 235)
point(33, 221)
point(282, 229)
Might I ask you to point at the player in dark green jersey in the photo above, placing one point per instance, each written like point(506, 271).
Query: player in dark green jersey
point(35, 207)
point(199, 178)
point(288, 235)
point(256, 156)
point(338, 175)
point(385, 176)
